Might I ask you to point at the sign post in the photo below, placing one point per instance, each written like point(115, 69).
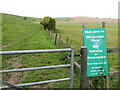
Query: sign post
point(83, 76)
point(95, 40)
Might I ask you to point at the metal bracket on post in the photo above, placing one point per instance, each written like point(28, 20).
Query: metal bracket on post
point(84, 79)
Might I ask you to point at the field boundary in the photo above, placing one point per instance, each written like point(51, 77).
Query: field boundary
point(58, 40)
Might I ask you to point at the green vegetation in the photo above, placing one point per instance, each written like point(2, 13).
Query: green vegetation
point(63, 19)
point(73, 30)
point(20, 34)
point(48, 23)
point(18, 30)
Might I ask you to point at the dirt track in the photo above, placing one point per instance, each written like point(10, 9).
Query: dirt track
point(15, 78)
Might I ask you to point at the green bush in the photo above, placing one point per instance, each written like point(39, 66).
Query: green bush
point(48, 23)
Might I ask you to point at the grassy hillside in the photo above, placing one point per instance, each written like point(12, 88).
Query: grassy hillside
point(15, 28)
point(20, 34)
point(63, 19)
point(73, 30)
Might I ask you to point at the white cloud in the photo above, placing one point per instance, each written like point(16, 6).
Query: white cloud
point(61, 8)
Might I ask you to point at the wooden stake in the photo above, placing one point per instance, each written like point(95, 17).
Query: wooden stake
point(84, 79)
point(83, 27)
point(55, 40)
point(103, 24)
point(59, 41)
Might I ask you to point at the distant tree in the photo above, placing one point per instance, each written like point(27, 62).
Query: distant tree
point(25, 18)
point(48, 23)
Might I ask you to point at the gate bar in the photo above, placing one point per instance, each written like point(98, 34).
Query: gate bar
point(37, 83)
point(33, 51)
point(71, 65)
point(36, 68)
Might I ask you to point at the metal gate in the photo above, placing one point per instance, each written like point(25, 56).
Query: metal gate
point(71, 65)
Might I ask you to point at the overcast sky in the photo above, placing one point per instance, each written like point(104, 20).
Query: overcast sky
point(61, 8)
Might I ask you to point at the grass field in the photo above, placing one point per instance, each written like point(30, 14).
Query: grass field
point(20, 34)
point(73, 30)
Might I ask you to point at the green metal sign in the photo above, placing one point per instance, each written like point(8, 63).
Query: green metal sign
point(95, 40)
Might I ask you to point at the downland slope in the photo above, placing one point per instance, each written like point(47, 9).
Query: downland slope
point(73, 30)
point(72, 27)
point(20, 34)
point(93, 19)
point(87, 19)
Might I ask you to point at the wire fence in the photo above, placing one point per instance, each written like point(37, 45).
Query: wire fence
point(59, 41)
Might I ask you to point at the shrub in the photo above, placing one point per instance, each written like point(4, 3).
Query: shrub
point(48, 23)
point(25, 18)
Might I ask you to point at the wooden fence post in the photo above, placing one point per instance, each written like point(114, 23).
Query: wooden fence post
point(59, 41)
point(107, 82)
point(84, 79)
point(55, 42)
point(49, 33)
point(52, 35)
point(67, 42)
point(96, 82)
point(103, 24)
point(106, 77)
point(83, 27)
